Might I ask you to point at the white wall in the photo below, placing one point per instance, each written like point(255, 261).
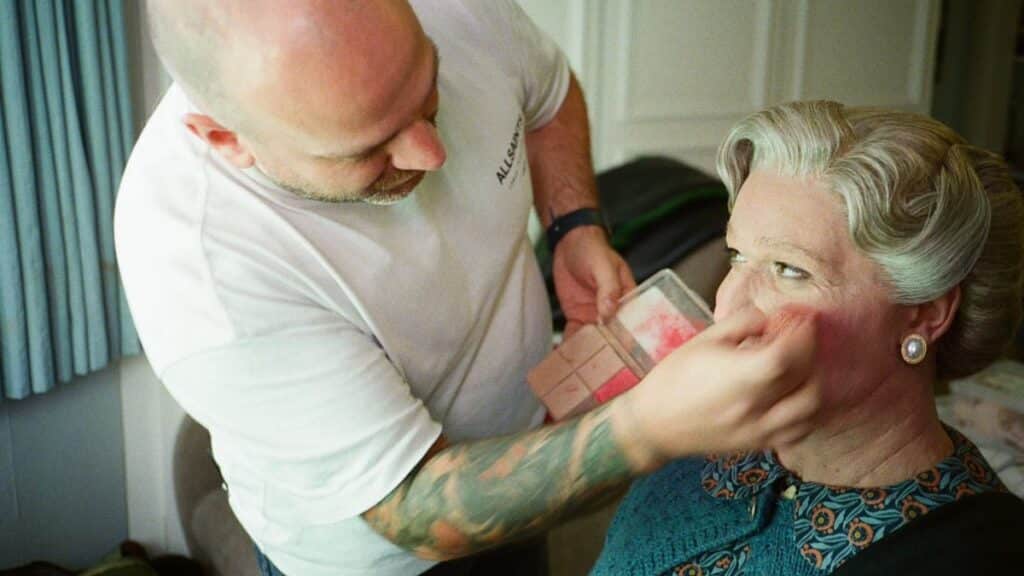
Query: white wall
point(672, 76)
point(62, 476)
point(151, 421)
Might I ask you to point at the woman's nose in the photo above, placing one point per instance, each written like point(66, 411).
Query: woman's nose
point(418, 147)
point(736, 292)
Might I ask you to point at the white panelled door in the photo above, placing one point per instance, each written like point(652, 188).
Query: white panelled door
point(671, 76)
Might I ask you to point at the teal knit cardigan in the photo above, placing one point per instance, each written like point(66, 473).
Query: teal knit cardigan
point(668, 519)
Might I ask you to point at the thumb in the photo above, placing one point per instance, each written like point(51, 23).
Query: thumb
point(786, 355)
point(739, 326)
point(626, 280)
point(792, 336)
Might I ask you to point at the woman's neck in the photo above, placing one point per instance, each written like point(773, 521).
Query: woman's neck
point(889, 437)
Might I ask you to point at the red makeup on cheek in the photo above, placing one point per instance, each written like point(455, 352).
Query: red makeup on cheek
point(833, 335)
point(850, 358)
point(834, 330)
point(782, 320)
point(787, 317)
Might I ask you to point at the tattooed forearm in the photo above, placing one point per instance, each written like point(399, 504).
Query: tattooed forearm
point(475, 496)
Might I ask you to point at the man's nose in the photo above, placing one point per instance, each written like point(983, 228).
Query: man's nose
point(418, 147)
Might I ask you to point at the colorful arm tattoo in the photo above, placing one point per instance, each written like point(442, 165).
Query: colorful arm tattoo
point(475, 496)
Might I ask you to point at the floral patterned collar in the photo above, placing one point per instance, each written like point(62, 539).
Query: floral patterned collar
point(833, 523)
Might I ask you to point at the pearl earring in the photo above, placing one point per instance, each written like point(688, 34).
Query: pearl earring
point(914, 349)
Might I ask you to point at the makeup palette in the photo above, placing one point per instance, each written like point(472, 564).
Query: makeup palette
point(599, 362)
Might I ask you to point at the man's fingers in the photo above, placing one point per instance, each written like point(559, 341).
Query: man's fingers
point(791, 418)
point(792, 344)
point(739, 326)
point(786, 359)
point(609, 289)
point(626, 279)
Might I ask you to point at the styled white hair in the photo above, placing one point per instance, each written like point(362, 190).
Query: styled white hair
point(932, 211)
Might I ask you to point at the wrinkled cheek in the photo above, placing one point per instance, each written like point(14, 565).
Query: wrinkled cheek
point(835, 332)
point(840, 361)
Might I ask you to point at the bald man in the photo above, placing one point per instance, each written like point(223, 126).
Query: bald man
point(322, 237)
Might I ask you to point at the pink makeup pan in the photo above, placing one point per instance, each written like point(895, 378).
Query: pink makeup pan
point(599, 362)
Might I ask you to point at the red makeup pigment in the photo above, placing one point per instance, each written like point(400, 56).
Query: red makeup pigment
point(600, 362)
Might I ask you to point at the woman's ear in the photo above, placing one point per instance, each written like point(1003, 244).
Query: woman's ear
point(932, 319)
point(224, 141)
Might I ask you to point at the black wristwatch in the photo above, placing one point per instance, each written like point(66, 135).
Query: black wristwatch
point(583, 217)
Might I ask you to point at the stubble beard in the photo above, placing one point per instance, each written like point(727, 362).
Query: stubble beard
point(386, 191)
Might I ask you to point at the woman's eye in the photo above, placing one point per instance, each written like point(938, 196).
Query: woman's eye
point(734, 256)
point(790, 272)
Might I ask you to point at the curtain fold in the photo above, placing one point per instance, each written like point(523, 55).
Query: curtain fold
point(65, 134)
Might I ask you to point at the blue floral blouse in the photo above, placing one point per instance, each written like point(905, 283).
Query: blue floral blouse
point(830, 523)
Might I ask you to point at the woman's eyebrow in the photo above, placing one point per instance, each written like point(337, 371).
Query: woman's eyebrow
point(788, 246)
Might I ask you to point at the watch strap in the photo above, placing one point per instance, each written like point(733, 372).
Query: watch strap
point(566, 222)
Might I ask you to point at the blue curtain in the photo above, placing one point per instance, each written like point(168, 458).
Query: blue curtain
point(65, 133)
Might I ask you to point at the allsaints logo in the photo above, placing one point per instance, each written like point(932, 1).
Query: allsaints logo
point(507, 163)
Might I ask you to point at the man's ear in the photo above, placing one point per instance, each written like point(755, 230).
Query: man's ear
point(224, 141)
point(932, 319)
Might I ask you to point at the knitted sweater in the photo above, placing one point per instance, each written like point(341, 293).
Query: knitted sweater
point(746, 514)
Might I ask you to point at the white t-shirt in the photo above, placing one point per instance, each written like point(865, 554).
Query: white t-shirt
point(326, 346)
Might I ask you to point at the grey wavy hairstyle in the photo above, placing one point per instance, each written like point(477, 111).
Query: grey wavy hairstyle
point(932, 211)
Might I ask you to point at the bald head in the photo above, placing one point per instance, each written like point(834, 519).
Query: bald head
point(331, 99)
point(236, 58)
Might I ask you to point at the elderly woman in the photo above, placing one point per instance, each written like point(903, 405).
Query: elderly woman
point(907, 243)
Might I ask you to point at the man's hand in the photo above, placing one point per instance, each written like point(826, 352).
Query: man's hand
point(590, 277)
point(743, 383)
